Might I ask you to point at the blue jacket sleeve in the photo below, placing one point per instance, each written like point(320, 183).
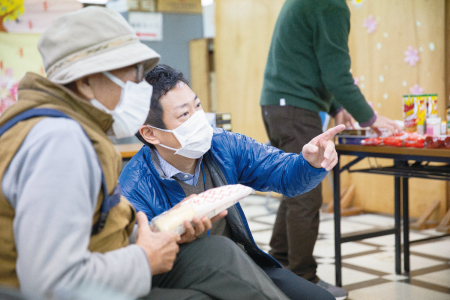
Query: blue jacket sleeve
point(266, 168)
point(136, 185)
point(139, 198)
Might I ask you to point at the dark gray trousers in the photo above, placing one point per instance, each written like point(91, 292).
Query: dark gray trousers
point(213, 268)
point(297, 224)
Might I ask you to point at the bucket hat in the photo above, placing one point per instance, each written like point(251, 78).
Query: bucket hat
point(91, 40)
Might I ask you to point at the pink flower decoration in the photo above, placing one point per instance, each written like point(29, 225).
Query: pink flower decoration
point(370, 24)
point(355, 80)
point(411, 56)
point(3, 82)
point(14, 90)
point(6, 102)
point(9, 72)
point(416, 90)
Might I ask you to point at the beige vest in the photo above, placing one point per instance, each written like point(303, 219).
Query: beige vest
point(38, 92)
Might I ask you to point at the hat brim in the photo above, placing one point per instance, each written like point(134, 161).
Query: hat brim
point(112, 59)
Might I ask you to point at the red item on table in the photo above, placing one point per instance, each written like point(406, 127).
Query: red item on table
point(434, 142)
point(447, 142)
point(395, 141)
point(414, 140)
point(405, 139)
point(419, 143)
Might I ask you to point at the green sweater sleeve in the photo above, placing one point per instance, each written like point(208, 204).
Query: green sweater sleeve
point(332, 26)
point(335, 107)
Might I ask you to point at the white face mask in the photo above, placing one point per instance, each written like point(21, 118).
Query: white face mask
point(194, 135)
point(133, 108)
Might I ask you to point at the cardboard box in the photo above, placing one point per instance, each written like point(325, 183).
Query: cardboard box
point(432, 105)
point(141, 5)
point(180, 6)
point(362, 132)
point(222, 120)
point(421, 103)
point(409, 118)
point(414, 113)
point(356, 140)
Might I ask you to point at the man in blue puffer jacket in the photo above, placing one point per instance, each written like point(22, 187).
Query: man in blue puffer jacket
point(184, 155)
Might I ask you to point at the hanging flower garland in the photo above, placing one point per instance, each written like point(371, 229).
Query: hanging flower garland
point(8, 89)
point(411, 56)
point(416, 90)
point(370, 24)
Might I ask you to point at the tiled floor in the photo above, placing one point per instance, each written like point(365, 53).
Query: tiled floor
point(368, 265)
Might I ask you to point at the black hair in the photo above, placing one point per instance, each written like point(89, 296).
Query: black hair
point(163, 78)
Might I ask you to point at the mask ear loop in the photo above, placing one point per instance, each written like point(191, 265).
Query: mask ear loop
point(114, 79)
point(167, 147)
point(166, 130)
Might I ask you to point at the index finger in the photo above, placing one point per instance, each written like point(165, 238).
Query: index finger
point(142, 221)
point(330, 133)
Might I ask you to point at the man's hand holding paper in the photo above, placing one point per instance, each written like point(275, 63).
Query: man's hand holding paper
point(202, 210)
point(198, 225)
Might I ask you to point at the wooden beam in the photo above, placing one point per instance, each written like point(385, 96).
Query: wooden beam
point(346, 200)
point(200, 71)
point(422, 222)
point(444, 225)
point(272, 194)
point(351, 211)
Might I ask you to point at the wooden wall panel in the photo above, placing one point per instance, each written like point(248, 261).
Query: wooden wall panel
point(384, 76)
point(378, 57)
point(200, 68)
point(447, 51)
point(447, 70)
point(243, 34)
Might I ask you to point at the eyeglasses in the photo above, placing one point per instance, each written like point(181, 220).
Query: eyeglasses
point(139, 72)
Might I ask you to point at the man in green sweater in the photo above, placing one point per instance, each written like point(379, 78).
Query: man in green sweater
point(307, 71)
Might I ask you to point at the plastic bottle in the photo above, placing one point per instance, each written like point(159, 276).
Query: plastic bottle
point(433, 126)
point(444, 128)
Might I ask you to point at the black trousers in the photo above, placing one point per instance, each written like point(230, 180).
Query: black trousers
point(296, 287)
point(297, 224)
point(213, 268)
point(216, 268)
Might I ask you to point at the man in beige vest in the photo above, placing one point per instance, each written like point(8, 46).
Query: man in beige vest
point(65, 228)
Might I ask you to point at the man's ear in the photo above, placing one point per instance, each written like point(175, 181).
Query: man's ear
point(148, 134)
point(84, 88)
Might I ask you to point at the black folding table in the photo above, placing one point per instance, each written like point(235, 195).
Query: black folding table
point(407, 163)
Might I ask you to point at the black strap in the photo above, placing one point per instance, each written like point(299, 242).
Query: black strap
point(214, 170)
point(32, 113)
point(109, 201)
